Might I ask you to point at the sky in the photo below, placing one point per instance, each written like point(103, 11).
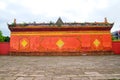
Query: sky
point(50, 10)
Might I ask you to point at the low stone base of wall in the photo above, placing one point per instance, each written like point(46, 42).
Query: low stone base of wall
point(61, 53)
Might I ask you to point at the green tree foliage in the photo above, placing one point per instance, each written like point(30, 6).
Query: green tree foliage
point(0, 33)
point(1, 37)
point(7, 39)
point(4, 38)
point(114, 38)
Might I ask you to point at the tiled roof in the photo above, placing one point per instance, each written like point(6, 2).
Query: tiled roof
point(59, 22)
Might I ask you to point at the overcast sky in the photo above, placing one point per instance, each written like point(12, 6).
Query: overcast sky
point(50, 10)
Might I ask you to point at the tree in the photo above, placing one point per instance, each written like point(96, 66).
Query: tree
point(7, 39)
point(0, 33)
point(1, 37)
point(4, 38)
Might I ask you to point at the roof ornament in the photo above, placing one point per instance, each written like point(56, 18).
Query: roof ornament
point(14, 22)
point(105, 20)
point(59, 22)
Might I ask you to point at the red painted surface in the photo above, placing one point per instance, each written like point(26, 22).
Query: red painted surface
point(100, 46)
point(107, 41)
point(85, 42)
point(70, 43)
point(34, 43)
point(116, 47)
point(4, 48)
point(14, 43)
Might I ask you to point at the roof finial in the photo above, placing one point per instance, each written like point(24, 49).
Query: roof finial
point(105, 20)
point(59, 22)
point(14, 21)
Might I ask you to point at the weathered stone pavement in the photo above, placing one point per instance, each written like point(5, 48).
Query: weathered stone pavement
point(60, 67)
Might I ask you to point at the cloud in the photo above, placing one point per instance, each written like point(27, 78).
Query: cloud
point(2, 5)
point(50, 10)
point(75, 8)
point(57, 8)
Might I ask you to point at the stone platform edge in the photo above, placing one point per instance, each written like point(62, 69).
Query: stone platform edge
point(61, 53)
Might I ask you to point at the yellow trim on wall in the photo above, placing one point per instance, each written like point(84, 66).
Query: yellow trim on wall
point(60, 33)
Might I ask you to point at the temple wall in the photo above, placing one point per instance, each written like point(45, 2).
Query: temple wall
point(60, 41)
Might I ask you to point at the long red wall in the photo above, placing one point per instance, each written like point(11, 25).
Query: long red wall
point(116, 47)
point(60, 41)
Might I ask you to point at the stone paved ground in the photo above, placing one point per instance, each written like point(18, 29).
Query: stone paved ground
point(60, 67)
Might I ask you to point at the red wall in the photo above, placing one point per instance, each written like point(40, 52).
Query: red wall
point(116, 47)
point(61, 43)
point(4, 48)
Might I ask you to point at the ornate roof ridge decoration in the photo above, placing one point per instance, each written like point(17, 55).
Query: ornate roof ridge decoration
point(60, 26)
point(59, 22)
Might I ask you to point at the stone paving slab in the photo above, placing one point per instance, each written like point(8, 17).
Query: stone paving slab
point(60, 67)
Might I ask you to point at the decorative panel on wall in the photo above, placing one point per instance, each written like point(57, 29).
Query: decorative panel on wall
point(80, 42)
